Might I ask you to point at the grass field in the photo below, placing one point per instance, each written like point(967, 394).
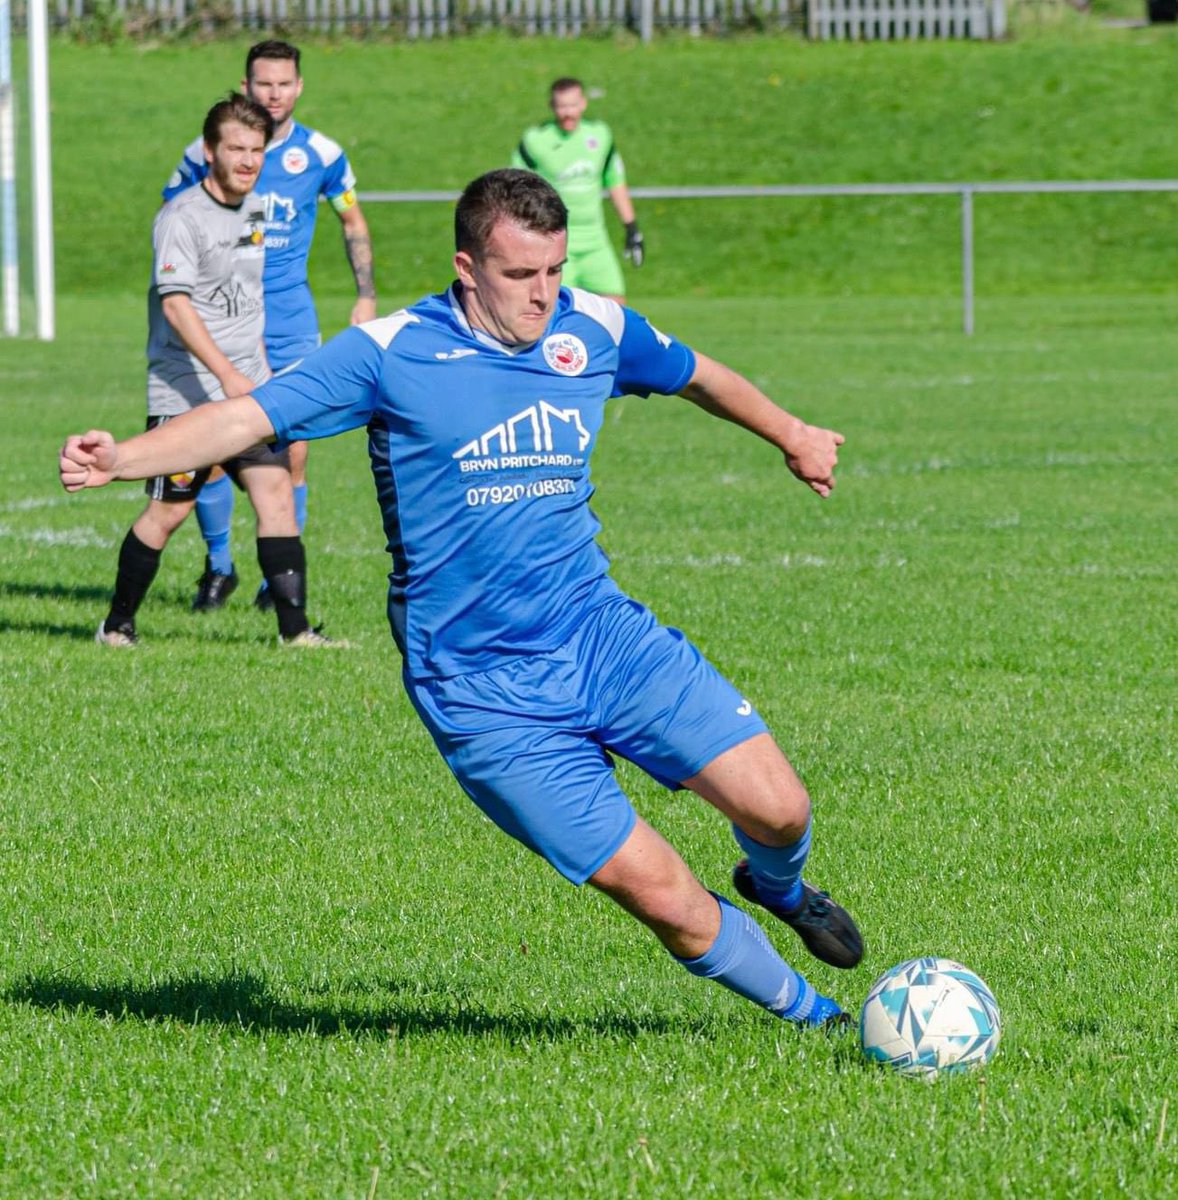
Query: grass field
point(255, 943)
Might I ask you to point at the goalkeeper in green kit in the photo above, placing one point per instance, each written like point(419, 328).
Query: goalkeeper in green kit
point(578, 157)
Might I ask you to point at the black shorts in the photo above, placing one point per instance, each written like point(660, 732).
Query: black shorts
point(186, 485)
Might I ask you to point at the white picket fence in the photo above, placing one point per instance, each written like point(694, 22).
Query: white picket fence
point(437, 18)
point(884, 20)
point(820, 19)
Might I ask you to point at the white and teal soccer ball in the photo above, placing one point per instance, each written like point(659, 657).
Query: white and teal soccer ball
point(929, 1015)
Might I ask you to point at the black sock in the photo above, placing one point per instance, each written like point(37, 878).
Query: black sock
point(284, 564)
point(138, 565)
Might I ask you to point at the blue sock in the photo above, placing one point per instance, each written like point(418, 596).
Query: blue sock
point(742, 959)
point(300, 499)
point(776, 870)
point(214, 510)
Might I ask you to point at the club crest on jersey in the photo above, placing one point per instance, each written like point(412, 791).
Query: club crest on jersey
point(566, 353)
point(295, 160)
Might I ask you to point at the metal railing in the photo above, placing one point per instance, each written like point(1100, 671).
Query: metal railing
point(965, 191)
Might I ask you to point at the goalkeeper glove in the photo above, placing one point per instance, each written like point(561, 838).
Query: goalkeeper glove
point(635, 248)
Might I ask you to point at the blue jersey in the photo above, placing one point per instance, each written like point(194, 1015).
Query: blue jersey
point(295, 172)
point(480, 453)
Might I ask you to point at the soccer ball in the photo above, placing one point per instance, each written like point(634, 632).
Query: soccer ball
point(929, 1015)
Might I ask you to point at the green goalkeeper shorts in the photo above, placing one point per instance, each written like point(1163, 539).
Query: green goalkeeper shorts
point(594, 267)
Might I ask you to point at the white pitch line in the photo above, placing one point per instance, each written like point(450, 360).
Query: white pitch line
point(31, 502)
point(82, 537)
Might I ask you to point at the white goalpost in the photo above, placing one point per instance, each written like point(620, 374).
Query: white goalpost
point(10, 269)
point(40, 194)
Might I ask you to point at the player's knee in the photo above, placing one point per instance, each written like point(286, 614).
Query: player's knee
point(781, 814)
point(161, 519)
point(298, 463)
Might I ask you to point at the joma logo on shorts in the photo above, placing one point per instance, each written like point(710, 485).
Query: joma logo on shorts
point(531, 430)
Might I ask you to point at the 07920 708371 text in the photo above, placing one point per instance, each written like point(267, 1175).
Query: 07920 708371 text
point(507, 493)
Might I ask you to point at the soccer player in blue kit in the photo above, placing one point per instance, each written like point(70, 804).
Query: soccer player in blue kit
point(525, 661)
point(300, 166)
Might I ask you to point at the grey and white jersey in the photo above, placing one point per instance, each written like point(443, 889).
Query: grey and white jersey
point(213, 254)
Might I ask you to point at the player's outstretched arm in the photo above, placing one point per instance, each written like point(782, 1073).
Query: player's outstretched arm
point(206, 435)
point(358, 248)
point(810, 451)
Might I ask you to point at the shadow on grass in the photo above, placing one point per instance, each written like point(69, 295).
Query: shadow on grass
point(84, 633)
point(243, 1004)
point(99, 597)
point(56, 591)
point(172, 597)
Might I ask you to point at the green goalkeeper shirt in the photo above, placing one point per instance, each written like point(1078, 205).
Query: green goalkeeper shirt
point(578, 165)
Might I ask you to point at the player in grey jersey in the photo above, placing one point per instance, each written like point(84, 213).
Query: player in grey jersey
point(208, 256)
point(205, 317)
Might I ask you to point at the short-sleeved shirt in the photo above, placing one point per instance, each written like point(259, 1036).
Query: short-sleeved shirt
point(295, 172)
point(480, 454)
point(578, 165)
point(213, 253)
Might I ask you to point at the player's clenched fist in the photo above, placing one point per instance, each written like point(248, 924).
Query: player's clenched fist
point(87, 460)
point(812, 455)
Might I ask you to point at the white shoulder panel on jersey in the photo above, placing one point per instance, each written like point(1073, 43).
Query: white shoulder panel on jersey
point(193, 158)
point(327, 150)
point(607, 313)
point(384, 329)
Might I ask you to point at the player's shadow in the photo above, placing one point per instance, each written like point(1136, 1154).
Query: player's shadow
point(98, 598)
point(54, 591)
point(88, 593)
point(243, 1004)
point(84, 633)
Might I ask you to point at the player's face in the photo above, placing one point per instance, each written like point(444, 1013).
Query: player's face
point(275, 84)
point(510, 289)
point(568, 107)
point(236, 160)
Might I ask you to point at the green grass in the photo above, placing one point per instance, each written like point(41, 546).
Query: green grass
point(261, 946)
point(254, 942)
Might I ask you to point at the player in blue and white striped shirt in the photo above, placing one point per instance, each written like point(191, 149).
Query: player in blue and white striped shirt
point(531, 669)
point(300, 166)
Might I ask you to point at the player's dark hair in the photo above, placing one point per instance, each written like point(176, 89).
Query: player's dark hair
point(565, 83)
point(506, 194)
point(272, 49)
point(236, 107)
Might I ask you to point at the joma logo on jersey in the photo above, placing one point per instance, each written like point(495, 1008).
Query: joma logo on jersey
point(278, 208)
point(535, 431)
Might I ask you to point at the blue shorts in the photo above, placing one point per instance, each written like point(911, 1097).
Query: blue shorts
point(531, 741)
point(292, 326)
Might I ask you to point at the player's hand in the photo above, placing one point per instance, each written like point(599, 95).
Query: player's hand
point(363, 310)
point(635, 245)
point(812, 455)
point(87, 460)
point(234, 383)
